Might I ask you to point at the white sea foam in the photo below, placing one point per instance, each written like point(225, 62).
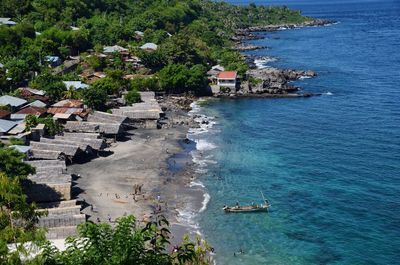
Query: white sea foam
point(196, 183)
point(205, 202)
point(304, 77)
point(329, 93)
point(186, 216)
point(203, 145)
point(263, 63)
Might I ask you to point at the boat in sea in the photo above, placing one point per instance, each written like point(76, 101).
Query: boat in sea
point(263, 207)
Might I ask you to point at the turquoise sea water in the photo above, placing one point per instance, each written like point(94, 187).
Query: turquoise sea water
point(330, 165)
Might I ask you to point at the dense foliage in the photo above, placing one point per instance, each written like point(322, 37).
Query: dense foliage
point(18, 218)
point(191, 35)
point(133, 96)
point(188, 33)
point(52, 126)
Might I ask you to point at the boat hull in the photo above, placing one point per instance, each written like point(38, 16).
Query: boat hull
point(245, 210)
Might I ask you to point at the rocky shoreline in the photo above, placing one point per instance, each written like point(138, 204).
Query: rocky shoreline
point(243, 33)
point(270, 82)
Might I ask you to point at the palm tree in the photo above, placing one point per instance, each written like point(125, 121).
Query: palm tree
point(71, 93)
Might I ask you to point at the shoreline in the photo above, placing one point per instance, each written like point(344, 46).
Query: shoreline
point(158, 159)
point(162, 160)
point(270, 82)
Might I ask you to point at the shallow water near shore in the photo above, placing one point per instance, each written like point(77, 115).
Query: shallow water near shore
point(330, 165)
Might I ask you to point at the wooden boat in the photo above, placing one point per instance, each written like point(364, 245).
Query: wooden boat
point(248, 208)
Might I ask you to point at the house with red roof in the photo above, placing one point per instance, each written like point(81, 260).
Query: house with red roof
point(4, 114)
point(69, 109)
point(29, 110)
point(227, 79)
point(33, 94)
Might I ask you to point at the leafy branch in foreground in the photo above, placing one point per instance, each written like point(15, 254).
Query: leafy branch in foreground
point(18, 218)
point(126, 243)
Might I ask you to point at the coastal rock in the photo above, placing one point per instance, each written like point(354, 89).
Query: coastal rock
point(270, 28)
point(248, 47)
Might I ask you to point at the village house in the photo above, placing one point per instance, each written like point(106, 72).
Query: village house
point(149, 47)
point(13, 102)
point(53, 61)
point(6, 126)
point(75, 85)
point(4, 114)
point(28, 110)
point(114, 49)
point(213, 73)
point(7, 21)
point(139, 35)
point(37, 103)
point(92, 77)
point(227, 80)
point(33, 94)
point(67, 66)
point(69, 109)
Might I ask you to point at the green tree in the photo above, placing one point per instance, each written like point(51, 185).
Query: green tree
point(53, 86)
point(126, 243)
point(17, 70)
point(145, 84)
point(174, 77)
point(178, 78)
point(95, 97)
point(53, 127)
point(107, 84)
point(18, 218)
point(133, 96)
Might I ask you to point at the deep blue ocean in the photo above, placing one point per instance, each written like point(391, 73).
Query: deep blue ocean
point(330, 165)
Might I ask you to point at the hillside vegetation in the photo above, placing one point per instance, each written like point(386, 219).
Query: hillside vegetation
point(189, 33)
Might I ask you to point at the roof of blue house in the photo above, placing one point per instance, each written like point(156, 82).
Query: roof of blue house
point(12, 101)
point(75, 85)
point(6, 126)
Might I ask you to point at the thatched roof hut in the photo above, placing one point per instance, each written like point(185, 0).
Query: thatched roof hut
point(67, 149)
point(82, 145)
point(107, 117)
point(96, 144)
point(92, 127)
point(46, 154)
point(47, 163)
point(82, 135)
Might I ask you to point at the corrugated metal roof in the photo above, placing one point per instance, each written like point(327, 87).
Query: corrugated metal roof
point(62, 115)
point(52, 59)
point(17, 129)
point(32, 110)
point(227, 75)
point(149, 46)
point(4, 113)
point(69, 103)
point(115, 48)
point(55, 110)
point(18, 117)
point(75, 85)
point(21, 148)
point(12, 101)
point(6, 126)
point(32, 91)
point(37, 103)
point(7, 21)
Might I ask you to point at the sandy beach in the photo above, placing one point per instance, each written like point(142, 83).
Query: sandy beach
point(157, 160)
